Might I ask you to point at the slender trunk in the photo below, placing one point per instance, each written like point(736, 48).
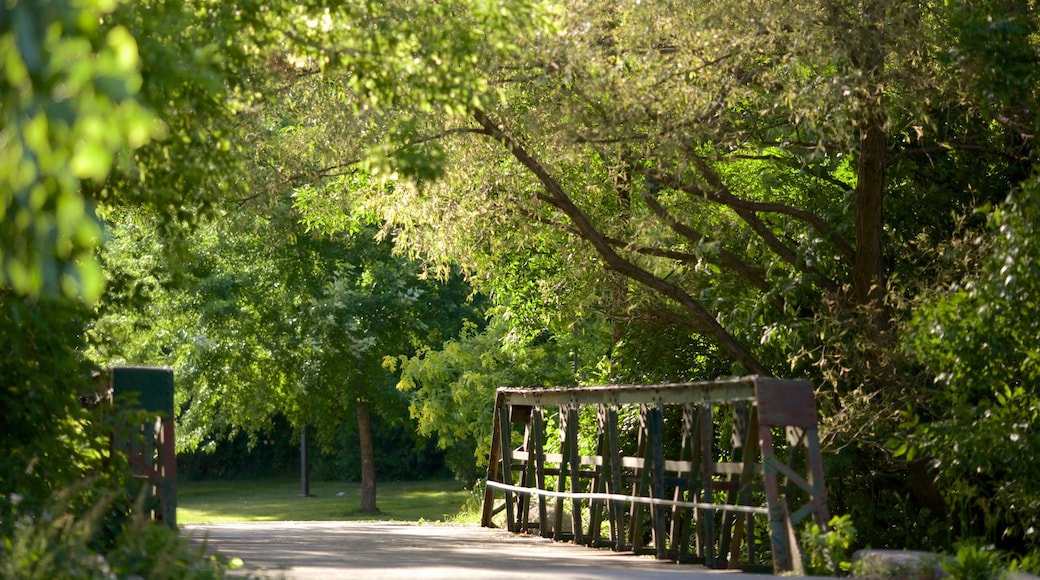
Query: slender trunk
point(305, 476)
point(368, 457)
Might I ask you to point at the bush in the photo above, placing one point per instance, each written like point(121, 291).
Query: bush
point(61, 541)
point(981, 426)
point(827, 552)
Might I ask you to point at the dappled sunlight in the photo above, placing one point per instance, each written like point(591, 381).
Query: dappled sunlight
point(280, 500)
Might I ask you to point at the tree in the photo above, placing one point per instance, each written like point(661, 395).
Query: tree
point(745, 167)
point(270, 319)
point(755, 174)
point(89, 117)
point(86, 107)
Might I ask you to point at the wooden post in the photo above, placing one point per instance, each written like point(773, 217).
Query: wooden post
point(682, 518)
point(168, 474)
point(505, 431)
point(706, 521)
point(538, 429)
point(492, 469)
point(655, 420)
point(574, 462)
point(154, 459)
point(599, 480)
point(617, 512)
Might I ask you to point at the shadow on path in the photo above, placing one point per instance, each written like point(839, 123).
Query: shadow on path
point(341, 550)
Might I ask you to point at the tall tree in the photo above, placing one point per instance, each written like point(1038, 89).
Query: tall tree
point(714, 156)
point(755, 173)
point(270, 319)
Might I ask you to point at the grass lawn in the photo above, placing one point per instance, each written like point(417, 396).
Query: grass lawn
point(279, 499)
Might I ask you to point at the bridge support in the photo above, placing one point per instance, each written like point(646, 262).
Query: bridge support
point(715, 469)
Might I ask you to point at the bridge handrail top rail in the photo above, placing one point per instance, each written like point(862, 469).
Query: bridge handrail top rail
point(719, 390)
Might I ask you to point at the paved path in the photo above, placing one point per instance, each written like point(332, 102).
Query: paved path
point(387, 551)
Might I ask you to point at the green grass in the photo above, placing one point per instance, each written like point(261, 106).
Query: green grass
point(279, 500)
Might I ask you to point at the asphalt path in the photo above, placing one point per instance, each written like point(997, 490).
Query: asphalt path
point(386, 551)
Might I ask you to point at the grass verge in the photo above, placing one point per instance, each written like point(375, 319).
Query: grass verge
point(280, 500)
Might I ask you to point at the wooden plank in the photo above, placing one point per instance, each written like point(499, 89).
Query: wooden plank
point(538, 429)
point(670, 465)
point(751, 451)
point(558, 533)
point(780, 467)
point(526, 474)
point(778, 536)
point(507, 464)
point(571, 444)
point(599, 480)
point(168, 473)
point(739, 427)
point(642, 482)
point(682, 519)
point(815, 460)
point(617, 512)
point(655, 421)
point(706, 518)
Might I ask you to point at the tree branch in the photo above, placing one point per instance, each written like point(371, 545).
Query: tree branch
point(555, 196)
point(747, 211)
point(616, 243)
point(726, 258)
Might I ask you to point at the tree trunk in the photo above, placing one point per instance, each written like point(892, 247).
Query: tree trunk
point(868, 51)
point(868, 269)
point(368, 458)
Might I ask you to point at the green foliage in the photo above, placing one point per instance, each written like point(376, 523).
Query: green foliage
point(827, 552)
point(975, 563)
point(268, 320)
point(979, 340)
point(197, 63)
point(48, 441)
point(996, 50)
point(61, 542)
point(70, 107)
point(452, 390)
point(695, 168)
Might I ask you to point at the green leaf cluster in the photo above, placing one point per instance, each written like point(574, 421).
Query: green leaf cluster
point(69, 107)
point(452, 388)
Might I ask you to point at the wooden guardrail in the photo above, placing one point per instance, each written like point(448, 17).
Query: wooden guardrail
point(745, 451)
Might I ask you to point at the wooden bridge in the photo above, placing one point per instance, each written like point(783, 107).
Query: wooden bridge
point(718, 471)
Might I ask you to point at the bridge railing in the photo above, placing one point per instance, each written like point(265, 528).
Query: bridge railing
point(717, 468)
